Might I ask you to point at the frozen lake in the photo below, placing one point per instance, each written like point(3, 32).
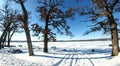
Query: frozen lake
point(66, 44)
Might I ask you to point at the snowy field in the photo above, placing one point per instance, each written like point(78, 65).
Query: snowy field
point(89, 53)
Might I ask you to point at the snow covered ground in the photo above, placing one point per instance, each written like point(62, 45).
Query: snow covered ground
point(89, 53)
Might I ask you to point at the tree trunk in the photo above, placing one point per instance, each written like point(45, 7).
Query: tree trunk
point(46, 33)
point(3, 34)
point(46, 43)
point(27, 32)
point(10, 36)
point(114, 36)
point(46, 38)
point(4, 40)
point(8, 39)
point(29, 43)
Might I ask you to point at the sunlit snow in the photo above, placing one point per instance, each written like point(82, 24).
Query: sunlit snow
point(86, 53)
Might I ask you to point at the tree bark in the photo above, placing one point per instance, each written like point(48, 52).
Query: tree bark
point(46, 34)
point(45, 43)
point(4, 34)
point(8, 38)
point(115, 43)
point(114, 37)
point(29, 42)
point(27, 32)
point(46, 38)
point(10, 34)
point(4, 40)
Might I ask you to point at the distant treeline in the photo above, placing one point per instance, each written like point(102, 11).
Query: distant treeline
point(102, 39)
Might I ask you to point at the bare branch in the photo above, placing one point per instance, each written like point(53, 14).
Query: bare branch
point(113, 4)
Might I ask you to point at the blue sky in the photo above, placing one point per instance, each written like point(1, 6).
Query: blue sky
point(78, 28)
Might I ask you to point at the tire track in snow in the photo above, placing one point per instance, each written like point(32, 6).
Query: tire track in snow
point(75, 58)
point(62, 60)
point(84, 59)
point(69, 59)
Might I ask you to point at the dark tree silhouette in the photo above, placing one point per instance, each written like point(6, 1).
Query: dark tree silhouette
point(9, 25)
point(54, 18)
point(104, 10)
point(108, 7)
point(24, 19)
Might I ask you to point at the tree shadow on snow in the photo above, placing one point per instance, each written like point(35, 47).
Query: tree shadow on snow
point(57, 57)
point(83, 51)
point(76, 54)
point(61, 51)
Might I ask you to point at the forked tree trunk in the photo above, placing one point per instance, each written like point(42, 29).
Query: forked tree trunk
point(4, 34)
point(114, 37)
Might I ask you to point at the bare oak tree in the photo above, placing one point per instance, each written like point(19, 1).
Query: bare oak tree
point(8, 24)
point(104, 10)
point(24, 19)
point(54, 18)
point(108, 8)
